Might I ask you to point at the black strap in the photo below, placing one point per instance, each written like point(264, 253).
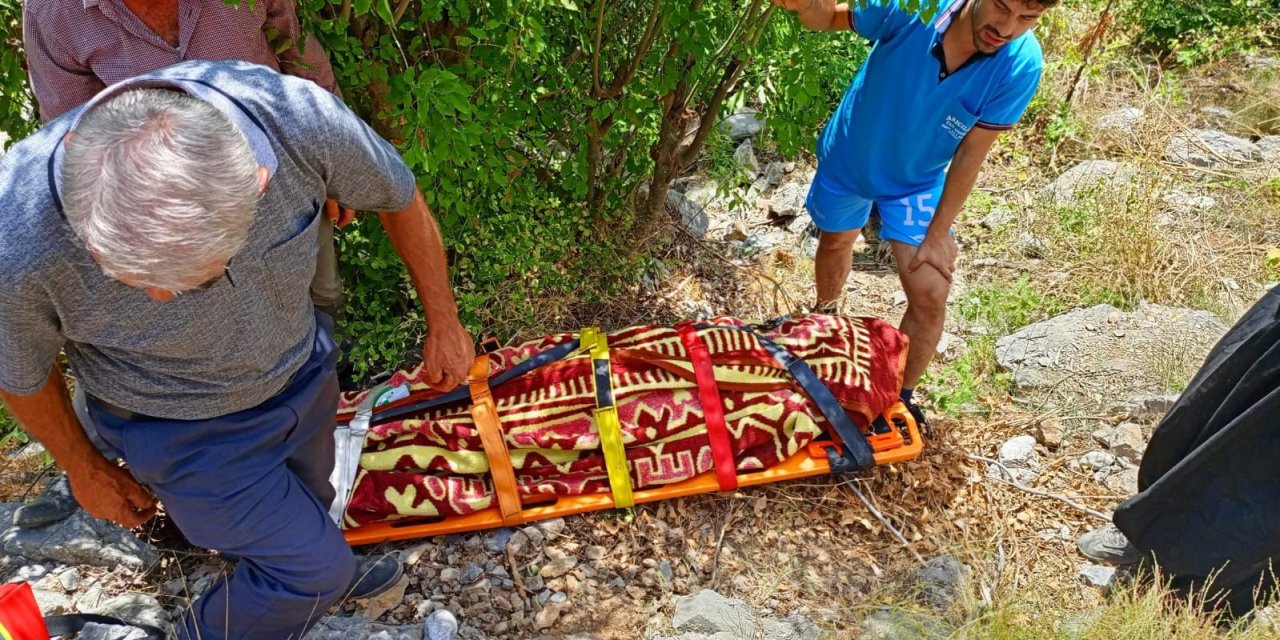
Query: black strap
point(857, 453)
point(463, 393)
point(74, 623)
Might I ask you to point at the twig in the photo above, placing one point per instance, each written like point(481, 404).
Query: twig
point(883, 520)
point(715, 558)
point(1037, 492)
point(515, 570)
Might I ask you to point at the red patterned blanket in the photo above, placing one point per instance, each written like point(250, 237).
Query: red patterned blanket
point(432, 463)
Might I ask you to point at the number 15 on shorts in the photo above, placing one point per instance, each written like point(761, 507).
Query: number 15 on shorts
point(919, 215)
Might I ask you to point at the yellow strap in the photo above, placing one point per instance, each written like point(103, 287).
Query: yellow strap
point(608, 424)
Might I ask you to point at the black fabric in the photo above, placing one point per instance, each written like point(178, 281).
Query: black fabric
point(1208, 507)
point(59, 626)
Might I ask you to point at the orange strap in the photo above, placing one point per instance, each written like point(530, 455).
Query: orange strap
point(485, 414)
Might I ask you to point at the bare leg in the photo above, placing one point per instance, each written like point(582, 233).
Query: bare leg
point(927, 291)
point(832, 264)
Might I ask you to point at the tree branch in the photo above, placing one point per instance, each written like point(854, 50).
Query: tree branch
point(642, 49)
point(595, 51)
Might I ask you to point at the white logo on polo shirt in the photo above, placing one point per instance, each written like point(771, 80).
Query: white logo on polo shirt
point(956, 127)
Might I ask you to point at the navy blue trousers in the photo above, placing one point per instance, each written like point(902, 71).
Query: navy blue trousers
point(254, 485)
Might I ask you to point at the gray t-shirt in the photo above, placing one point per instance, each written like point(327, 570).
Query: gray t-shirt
point(204, 353)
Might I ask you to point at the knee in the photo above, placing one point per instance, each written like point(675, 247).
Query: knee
point(326, 576)
point(929, 302)
point(836, 242)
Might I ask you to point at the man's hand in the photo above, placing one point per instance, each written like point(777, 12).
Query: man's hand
point(448, 354)
point(339, 215)
point(938, 251)
point(108, 492)
point(819, 15)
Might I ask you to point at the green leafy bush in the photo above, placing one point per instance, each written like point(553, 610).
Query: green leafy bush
point(1192, 32)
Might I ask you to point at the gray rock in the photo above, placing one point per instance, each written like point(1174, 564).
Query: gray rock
point(1044, 354)
point(1211, 150)
point(52, 602)
point(558, 567)
point(999, 217)
point(1261, 62)
point(497, 543)
point(548, 615)
point(31, 572)
point(746, 123)
point(693, 217)
point(745, 157)
point(788, 200)
point(28, 451)
point(794, 628)
point(595, 552)
point(470, 573)
point(942, 582)
point(135, 608)
point(710, 612)
point(761, 242)
point(1122, 120)
point(1217, 114)
point(773, 174)
point(704, 194)
point(1269, 147)
point(1124, 483)
point(802, 225)
point(441, 625)
point(81, 540)
point(348, 628)
point(1030, 245)
point(1090, 177)
point(890, 624)
point(1018, 456)
point(1126, 441)
point(1096, 460)
point(664, 570)
point(1182, 203)
point(95, 631)
point(70, 579)
point(1097, 576)
point(1147, 406)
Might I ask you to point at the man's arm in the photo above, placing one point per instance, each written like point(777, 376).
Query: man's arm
point(939, 249)
point(59, 83)
point(448, 353)
point(103, 488)
point(819, 15)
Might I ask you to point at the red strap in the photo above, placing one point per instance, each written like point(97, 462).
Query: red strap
point(712, 407)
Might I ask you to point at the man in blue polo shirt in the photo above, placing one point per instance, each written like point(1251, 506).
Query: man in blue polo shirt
point(910, 136)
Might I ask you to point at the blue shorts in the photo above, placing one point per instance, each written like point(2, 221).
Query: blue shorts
point(903, 219)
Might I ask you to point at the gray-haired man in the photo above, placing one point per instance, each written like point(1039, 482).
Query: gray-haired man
point(160, 236)
point(77, 48)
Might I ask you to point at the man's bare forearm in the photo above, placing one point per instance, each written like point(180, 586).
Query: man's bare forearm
point(47, 415)
point(415, 236)
point(961, 178)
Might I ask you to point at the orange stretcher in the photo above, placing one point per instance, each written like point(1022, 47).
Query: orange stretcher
point(897, 439)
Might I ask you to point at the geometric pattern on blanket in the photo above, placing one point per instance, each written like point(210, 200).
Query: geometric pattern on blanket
point(433, 463)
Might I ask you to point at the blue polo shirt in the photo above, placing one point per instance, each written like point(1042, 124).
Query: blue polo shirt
point(900, 122)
